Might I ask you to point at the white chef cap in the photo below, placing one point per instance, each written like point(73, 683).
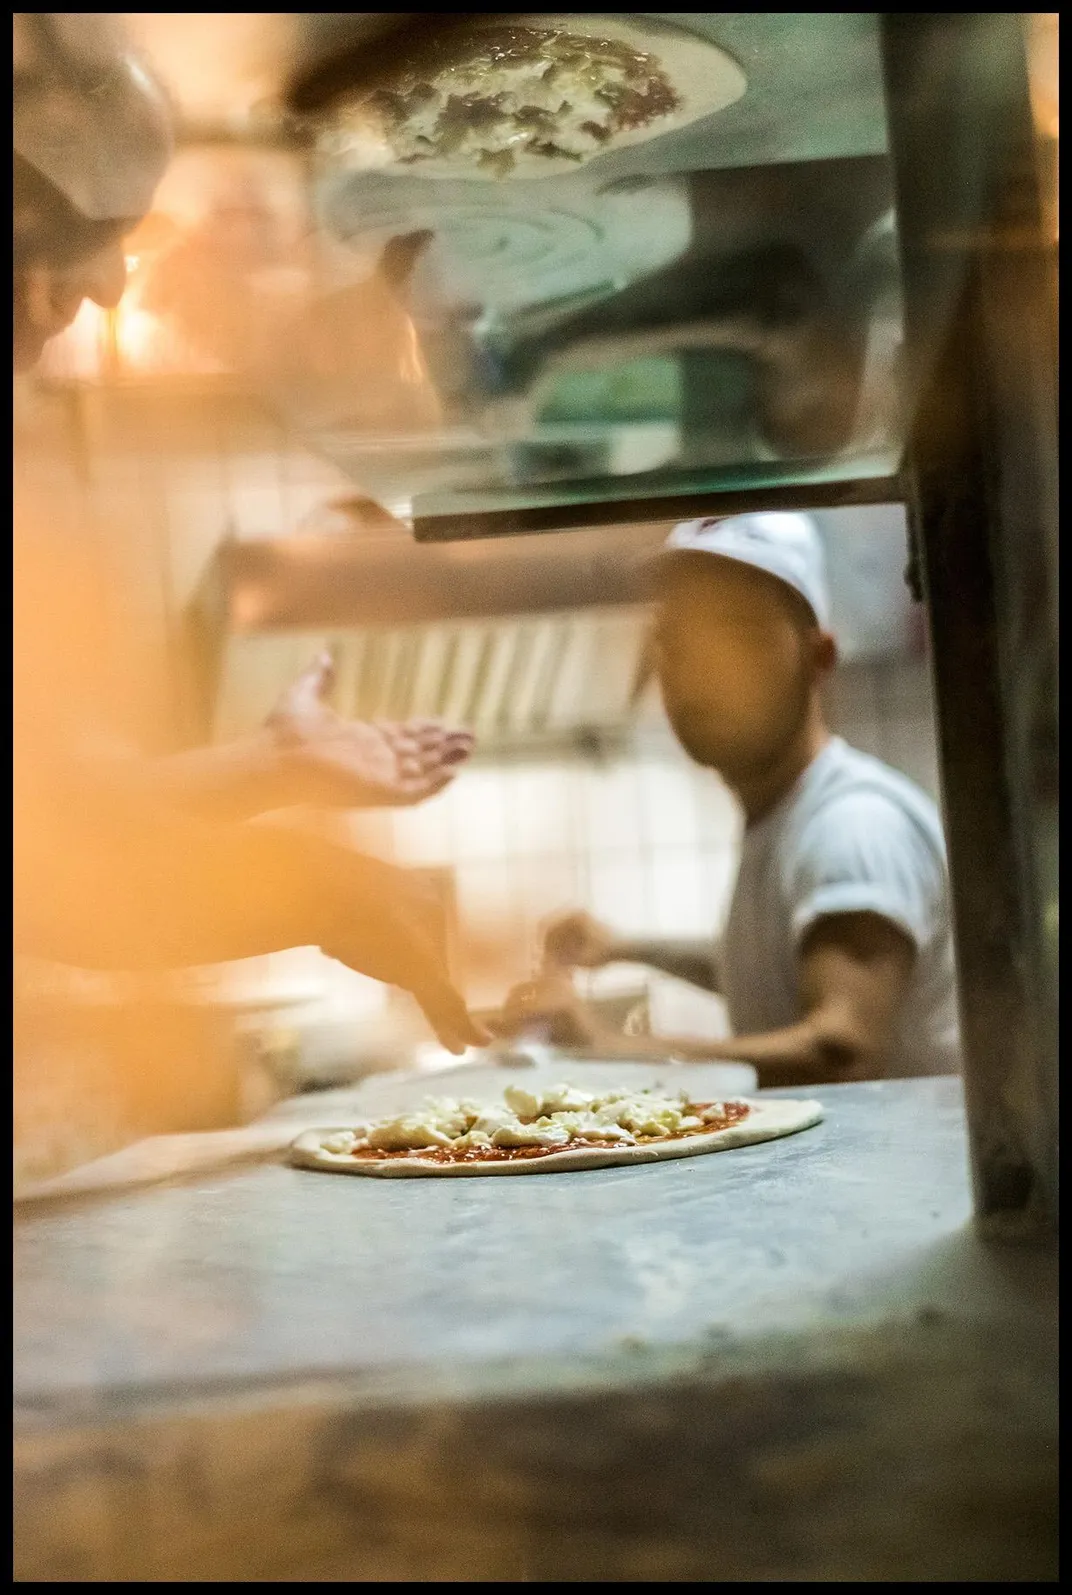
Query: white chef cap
point(786, 546)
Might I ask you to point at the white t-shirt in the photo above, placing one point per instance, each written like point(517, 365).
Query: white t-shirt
point(852, 836)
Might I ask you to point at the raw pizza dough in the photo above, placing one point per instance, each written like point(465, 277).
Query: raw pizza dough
point(766, 1121)
point(468, 109)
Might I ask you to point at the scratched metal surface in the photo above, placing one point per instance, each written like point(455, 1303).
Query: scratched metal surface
point(274, 1273)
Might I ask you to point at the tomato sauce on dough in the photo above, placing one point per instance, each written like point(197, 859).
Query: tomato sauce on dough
point(732, 1113)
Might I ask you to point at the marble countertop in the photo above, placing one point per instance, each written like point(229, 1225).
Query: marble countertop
point(270, 1273)
point(783, 1363)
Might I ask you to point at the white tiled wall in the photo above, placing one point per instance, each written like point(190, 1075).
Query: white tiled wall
point(886, 708)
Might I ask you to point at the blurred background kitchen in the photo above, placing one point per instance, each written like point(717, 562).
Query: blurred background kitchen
point(227, 491)
point(578, 794)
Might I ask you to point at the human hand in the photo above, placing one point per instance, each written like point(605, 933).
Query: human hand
point(577, 941)
point(379, 921)
point(356, 764)
point(549, 1005)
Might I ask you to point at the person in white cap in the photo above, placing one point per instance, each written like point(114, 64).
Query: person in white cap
point(123, 861)
point(836, 960)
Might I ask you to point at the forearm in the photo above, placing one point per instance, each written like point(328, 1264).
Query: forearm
point(691, 959)
point(800, 1054)
point(163, 893)
point(138, 886)
point(234, 781)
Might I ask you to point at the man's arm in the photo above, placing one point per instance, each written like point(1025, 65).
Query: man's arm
point(305, 754)
point(577, 941)
point(853, 974)
point(232, 781)
point(359, 766)
point(146, 889)
point(686, 958)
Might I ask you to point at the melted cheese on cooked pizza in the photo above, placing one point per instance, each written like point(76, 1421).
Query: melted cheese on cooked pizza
point(548, 1120)
point(543, 93)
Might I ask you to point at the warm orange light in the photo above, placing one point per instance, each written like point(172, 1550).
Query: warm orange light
point(128, 341)
point(1045, 74)
point(141, 339)
point(1043, 39)
point(79, 352)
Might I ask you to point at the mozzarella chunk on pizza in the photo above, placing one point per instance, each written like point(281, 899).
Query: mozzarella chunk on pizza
point(408, 1133)
point(553, 1117)
point(556, 1099)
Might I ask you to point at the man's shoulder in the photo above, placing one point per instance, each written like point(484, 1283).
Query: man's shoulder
point(858, 796)
point(848, 774)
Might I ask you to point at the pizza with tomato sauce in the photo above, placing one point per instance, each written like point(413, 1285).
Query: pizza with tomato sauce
point(530, 96)
point(546, 1132)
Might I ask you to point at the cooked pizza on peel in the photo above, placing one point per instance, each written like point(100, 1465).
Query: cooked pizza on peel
point(548, 1131)
point(531, 96)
